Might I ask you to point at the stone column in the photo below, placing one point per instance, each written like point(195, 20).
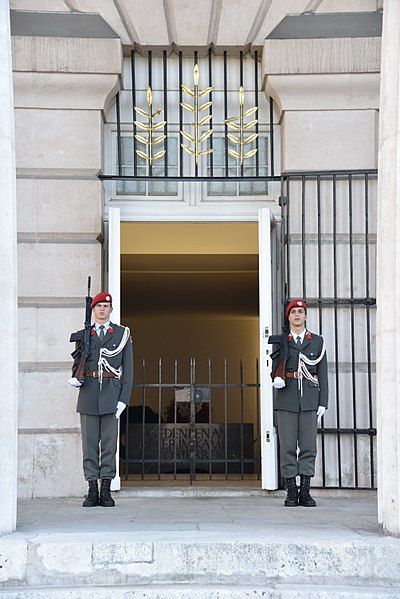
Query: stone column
point(62, 86)
point(388, 276)
point(8, 284)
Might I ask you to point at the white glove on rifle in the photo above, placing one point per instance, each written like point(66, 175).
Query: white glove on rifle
point(320, 412)
point(74, 382)
point(278, 383)
point(120, 408)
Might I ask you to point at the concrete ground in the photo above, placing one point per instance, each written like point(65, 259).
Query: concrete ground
point(200, 543)
point(245, 512)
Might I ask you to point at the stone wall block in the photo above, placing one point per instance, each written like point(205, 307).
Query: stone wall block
point(73, 263)
point(44, 335)
point(64, 90)
point(47, 400)
point(59, 205)
point(66, 55)
point(322, 55)
point(55, 460)
point(25, 466)
point(64, 141)
point(329, 140)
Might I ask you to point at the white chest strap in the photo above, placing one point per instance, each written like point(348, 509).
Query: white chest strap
point(105, 353)
point(303, 371)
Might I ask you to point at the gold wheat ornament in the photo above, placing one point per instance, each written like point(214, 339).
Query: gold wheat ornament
point(149, 128)
point(241, 127)
point(195, 109)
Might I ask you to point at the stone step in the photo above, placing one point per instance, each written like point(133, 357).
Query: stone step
point(271, 591)
point(171, 558)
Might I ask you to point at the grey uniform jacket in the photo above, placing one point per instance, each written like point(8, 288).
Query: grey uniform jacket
point(93, 400)
point(289, 397)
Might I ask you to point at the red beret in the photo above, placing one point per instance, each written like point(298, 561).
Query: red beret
point(297, 303)
point(104, 296)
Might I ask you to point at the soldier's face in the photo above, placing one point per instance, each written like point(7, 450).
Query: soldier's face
point(102, 311)
point(297, 318)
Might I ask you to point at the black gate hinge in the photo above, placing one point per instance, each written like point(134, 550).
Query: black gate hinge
point(283, 200)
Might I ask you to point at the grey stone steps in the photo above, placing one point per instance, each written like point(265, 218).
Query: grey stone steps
point(97, 559)
point(173, 591)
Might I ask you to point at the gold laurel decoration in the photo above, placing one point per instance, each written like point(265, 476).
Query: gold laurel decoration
point(196, 109)
point(241, 127)
point(150, 127)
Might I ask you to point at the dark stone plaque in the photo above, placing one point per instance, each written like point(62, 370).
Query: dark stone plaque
point(171, 443)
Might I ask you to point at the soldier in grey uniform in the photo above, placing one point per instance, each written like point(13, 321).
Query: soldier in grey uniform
point(300, 402)
point(104, 394)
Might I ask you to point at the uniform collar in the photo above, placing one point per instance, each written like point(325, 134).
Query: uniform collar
point(301, 335)
point(97, 326)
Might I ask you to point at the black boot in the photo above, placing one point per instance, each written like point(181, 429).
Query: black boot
point(291, 493)
point(105, 495)
point(305, 498)
point(92, 498)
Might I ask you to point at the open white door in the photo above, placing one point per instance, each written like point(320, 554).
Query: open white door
point(114, 287)
point(269, 443)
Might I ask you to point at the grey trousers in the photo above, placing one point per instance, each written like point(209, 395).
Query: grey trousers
point(99, 445)
point(297, 429)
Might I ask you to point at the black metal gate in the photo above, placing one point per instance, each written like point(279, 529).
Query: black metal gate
point(328, 246)
point(179, 428)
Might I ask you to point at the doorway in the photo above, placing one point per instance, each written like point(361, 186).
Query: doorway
point(189, 293)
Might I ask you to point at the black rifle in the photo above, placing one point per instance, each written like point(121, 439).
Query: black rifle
point(281, 354)
point(82, 340)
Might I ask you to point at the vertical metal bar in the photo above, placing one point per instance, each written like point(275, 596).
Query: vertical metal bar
point(119, 152)
point(335, 308)
point(303, 235)
point(165, 90)
point(159, 388)
point(210, 80)
point(192, 424)
point(241, 84)
point(257, 113)
point(143, 416)
point(226, 416)
point(180, 113)
point(196, 166)
point(226, 111)
point(352, 330)
point(241, 421)
point(134, 116)
point(150, 83)
point(287, 240)
point(209, 421)
point(271, 136)
point(368, 321)
point(319, 244)
point(175, 427)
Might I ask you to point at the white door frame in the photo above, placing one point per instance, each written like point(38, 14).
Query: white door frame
point(269, 443)
point(114, 287)
point(266, 221)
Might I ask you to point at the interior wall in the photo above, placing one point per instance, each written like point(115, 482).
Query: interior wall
point(180, 339)
point(190, 290)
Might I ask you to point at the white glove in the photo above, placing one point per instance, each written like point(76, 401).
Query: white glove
point(320, 412)
point(74, 382)
point(120, 408)
point(278, 383)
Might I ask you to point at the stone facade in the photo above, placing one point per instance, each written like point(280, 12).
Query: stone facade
point(61, 86)
point(327, 91)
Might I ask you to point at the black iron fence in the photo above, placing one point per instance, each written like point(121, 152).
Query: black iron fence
point(328, 256)
point(180, 426)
